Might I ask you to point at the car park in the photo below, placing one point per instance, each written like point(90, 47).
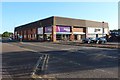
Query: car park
point(95, 40)
point(100, 40)
point(88, 40)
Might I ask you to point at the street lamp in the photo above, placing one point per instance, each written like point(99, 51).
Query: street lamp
point(103, 29)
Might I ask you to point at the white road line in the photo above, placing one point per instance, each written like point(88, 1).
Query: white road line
point(39, 46)
point(49, 46)
point(67, 49)
point(45, 62)
point(33, 73)
point(43, 66)
point(104, 71)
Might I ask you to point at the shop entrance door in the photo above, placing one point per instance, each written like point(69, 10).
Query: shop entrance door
point(75, 37)
point(66, 37)
point(63, 36)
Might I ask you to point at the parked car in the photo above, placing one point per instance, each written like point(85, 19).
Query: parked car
point(10, 38)
point(88, 40)
point(100, 40)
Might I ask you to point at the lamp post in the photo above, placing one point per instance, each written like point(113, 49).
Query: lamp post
point(103, 29)
point(41, 26)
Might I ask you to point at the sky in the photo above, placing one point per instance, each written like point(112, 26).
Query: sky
point(14, 14)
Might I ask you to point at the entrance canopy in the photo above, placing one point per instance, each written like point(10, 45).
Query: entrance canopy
point(47, 33)
point(78, 33)
point(63, 33)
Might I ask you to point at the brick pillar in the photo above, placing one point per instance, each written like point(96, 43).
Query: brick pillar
point(54, 33)
point(86, 32)
point(36, 33)
point(26, 34)
point(44, 33)
point(21, 33)
point(72, 35)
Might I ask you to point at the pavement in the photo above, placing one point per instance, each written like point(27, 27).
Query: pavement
point(106, 45)
point(63, 61)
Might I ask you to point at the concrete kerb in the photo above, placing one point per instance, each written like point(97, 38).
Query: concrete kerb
point(116, 46)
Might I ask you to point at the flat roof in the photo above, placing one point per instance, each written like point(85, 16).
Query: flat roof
point(56, 20)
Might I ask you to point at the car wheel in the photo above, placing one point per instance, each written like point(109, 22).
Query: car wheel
point(83, 41)
point(88, 42)
point(103, 42)
point(97, 42)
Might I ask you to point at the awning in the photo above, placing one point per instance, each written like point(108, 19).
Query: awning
point(63, 33)
point(47, 33)
point(78, 33)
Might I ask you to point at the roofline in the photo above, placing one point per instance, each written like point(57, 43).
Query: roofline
point(80, 19)
point(58, 17)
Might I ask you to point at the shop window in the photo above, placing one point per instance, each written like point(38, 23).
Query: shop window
point(35, 35)
point(24, 36)
point(96, 30)
point(58, 37)
point(31, 36)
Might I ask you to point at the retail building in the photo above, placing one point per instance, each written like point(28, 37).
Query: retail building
point(60, 28)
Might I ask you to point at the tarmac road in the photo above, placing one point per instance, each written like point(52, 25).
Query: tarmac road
point(65, 61)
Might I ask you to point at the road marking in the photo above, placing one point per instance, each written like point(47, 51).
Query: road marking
point(104, 56)
point(104, 71)
point(54, 48)
point(36, 67)
point(41, 65)
point(44, 64)
point(68, 49)
point(49, 47)
point(40, 46)
point(29, 50)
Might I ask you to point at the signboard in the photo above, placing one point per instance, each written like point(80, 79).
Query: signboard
point(62, 28)
point(48, 29)
point(40, 30)
point(95, 30)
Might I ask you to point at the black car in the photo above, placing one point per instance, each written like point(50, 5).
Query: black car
point(88, 40)
point(100, 40)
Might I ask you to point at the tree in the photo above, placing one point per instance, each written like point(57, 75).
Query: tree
point(6, 34)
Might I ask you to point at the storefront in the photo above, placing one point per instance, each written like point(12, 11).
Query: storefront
point(40, 33)
point(63, 32)
point(48, 33)
point(57, 28)
point(79, 33)
point(97, 32)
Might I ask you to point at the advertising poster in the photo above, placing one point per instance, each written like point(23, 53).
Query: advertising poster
point(62, 28)
point(40, 30)
point(48, 29)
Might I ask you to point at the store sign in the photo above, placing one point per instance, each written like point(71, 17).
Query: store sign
point(40, 30)
point(48, 29)
point(62, 28)
point(94, 30)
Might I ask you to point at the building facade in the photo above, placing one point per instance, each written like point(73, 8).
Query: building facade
point(60, 28)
